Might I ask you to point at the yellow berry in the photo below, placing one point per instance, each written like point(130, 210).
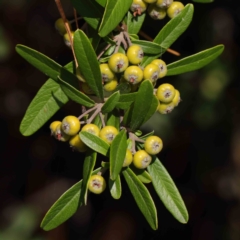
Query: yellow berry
point(151, 72)
point(60, 135)
point(149, 1)
point(111, 85)
point(60, 26)
point(138, 7)
point(53, 126)
point(108, 133)
point(118, 62)
point(165, 108)
point(91, 128)
point(96, 184)
point(135, 54)
point(176, 100)
point(70, 125)
point(162, 67)
point(163, 3)
point(156, 13)
point(141, 159)
point(153, 145)
point(67, 39)
point(107, 73)
point(174, 9)
point(165, 93)
point(77, 144)
point(128, 158)
point(133, 74)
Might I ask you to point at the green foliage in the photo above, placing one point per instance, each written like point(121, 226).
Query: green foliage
point(115, 187)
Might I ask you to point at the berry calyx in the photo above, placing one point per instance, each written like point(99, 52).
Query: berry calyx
point(141, 159)
point(53, 126)
point(135, 54)
point(151, 72)
point(107, 73)
point(60, 135)
point(174, 9)
point(153, 145)
point(177, 99)
point(156, 13)
point(128, 158)
point(111, 85)
point(162, 67)
point(91, 128)
point(70, 125)
point(165, 93)
point(165, 108)
point(118, 62)
point(77, 144)
point(163, 3)
point(133, 74)
point(138, 7)
point(108, 133)
point(96, 184)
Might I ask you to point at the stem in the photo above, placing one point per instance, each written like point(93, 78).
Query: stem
point(75, 17)
point(98, 109)
point(88, 111)
point(127, 38)
point(74, 20)
point(102, 52)
point(102, 119)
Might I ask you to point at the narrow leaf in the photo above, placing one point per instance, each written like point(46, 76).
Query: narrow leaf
point(110, 104)
point(195, 61)
point(88, 63)
point(167, 191)
point(142, 174)
point(64, 207)
point(115, 187)
point(94, 142)
point(113, 119)
point(118, 150)
point(142, 198)
point(149, 47)
point(113, 15)
point(94, 38)
point(134, 24)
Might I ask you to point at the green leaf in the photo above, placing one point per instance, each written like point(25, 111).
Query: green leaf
point(113, 15)
point(113, 119)
point(134, 36)
point(149, 47)
point(115, 187)
point(126, 100)
point(94, 142)
point(88, 165)
point(88, 63)
point(123, 87)
point(90, 10)
point(97, 121)
point(144, 106)
point(39, 61)
point(118, 150)
point(142, 175)
point(64, 207)
point(144, 137)
point(134, 24)
point(105, 164)
point(142, 198)
point(76, 95)
point(94, 38)
point(102, 2)
point(110, 104)
point(195, 61)
point(167, 191)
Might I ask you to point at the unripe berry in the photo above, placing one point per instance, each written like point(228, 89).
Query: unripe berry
point(153, 145)
point(107, 73)
point(77, 144)
point(60, 26)
point(150, 1)
point(70, 125)
point(163, 3)
point(162, 67)
point(151, 72)
point(91, 128)
point(86, 89)
point(135, 54)
point(174, 9)
point(156, 13)
point(118, 62)
point(176, 100)
point(67, 39)
point(165, 108)
point(111, 85)
point(128, 158)
point(53, 126)
point(138, 7)
point(133, 74)
point(165, 93)
point(108, 133)
point(60, 135)
point(141, 159)
point(96, 184)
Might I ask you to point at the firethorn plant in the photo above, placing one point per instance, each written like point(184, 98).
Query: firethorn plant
point(120, 81)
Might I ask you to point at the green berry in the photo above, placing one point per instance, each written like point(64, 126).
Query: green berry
point(174, 9)
point(60, 26)
point(107, 73)
point(128, 158)
point(91, 128)
point(96, 184)
point(111, 85)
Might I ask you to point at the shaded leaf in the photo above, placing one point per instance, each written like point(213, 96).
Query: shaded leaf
point(134, 24)
point(111, 102)
point(113, 119)
point(149, 47)
point(115, 187)
point(142, 174)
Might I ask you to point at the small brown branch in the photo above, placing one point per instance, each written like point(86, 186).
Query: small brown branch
point(97, 111)
point(102, 119)
point(75, 17)
point(88, 111)
point(103, 51)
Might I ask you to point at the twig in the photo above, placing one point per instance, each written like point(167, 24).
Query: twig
point(102, 119)
point(88, 111)
point(75, 17)
point(103, 51)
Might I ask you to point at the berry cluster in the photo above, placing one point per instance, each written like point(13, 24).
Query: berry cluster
point(157, 9)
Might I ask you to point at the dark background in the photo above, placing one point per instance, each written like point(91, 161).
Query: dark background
point(201, 137)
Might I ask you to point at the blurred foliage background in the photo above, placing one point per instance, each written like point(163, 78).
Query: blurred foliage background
point(201, 136)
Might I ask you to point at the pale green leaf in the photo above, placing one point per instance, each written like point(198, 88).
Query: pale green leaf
point(134, 24)
point(111, 102)
point(115, 187)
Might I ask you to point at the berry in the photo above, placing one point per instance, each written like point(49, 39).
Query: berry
point(86, 89)
point(174, 9)
point(151, 72)
point(118, 62)
point(77, 144)
point(128, 158)
point(60, 26)
point(60, 135)
point(165, 93)
point(163, 3)
point(138, 7)
point(70, 125)
point(141, 159)
point(111, 85)
point(108, 133)
point(107, 73)
point(53, 126)
point(153, 145)
point(165, 108)
point(67, 39)
point(176, 100)
point(96, 184)
point(162, 67)
point(149, 1)
point(91, 128)
point(133, 74)
point(156, 13)
point(135, 54)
